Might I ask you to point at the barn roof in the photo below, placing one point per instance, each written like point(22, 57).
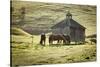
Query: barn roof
point(63, 24)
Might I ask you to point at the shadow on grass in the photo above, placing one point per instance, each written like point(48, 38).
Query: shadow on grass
point(59, 45)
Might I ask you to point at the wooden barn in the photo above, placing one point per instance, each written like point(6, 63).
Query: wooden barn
point(70, 27)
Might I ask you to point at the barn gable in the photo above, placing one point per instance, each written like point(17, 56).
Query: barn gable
point(64, 23)
point(68, 22)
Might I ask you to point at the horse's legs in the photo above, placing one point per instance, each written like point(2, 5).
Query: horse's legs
point(58, 42)
point(50, 42)
point(64, 42)
point(44, 42)
point(68, 41)
point(40, 41)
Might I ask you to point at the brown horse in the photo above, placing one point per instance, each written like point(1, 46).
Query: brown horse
point(59, 38)
point(43, 39)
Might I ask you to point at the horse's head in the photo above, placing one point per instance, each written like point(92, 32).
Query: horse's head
point(67, 37)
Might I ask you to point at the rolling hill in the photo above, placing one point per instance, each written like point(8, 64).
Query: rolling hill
point(19, 32)
point(42, 16)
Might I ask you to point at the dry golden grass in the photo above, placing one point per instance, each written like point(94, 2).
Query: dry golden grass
point(26, 53)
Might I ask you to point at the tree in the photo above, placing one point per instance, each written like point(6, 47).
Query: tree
point(22, 16)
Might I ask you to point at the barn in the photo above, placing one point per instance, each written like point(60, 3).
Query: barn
point(70, 27)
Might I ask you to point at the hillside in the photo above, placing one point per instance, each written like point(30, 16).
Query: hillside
point(19, 32)
point(92, 36)
point(44, 15)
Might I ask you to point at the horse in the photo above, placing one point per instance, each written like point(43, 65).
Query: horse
point(93, 41)
point(43, 39)
point(59, 38)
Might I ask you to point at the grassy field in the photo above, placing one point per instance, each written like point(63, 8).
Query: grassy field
point(23, 52)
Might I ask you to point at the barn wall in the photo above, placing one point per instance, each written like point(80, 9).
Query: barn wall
point(82, 35)
point(66, 31)
point(77, 34)
point(57, 31)
point(72, 34)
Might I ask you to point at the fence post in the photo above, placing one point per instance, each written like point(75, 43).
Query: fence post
point(32, 39)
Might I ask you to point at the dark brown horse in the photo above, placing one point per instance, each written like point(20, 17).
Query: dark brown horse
point(59, 38)
point(43, 39)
